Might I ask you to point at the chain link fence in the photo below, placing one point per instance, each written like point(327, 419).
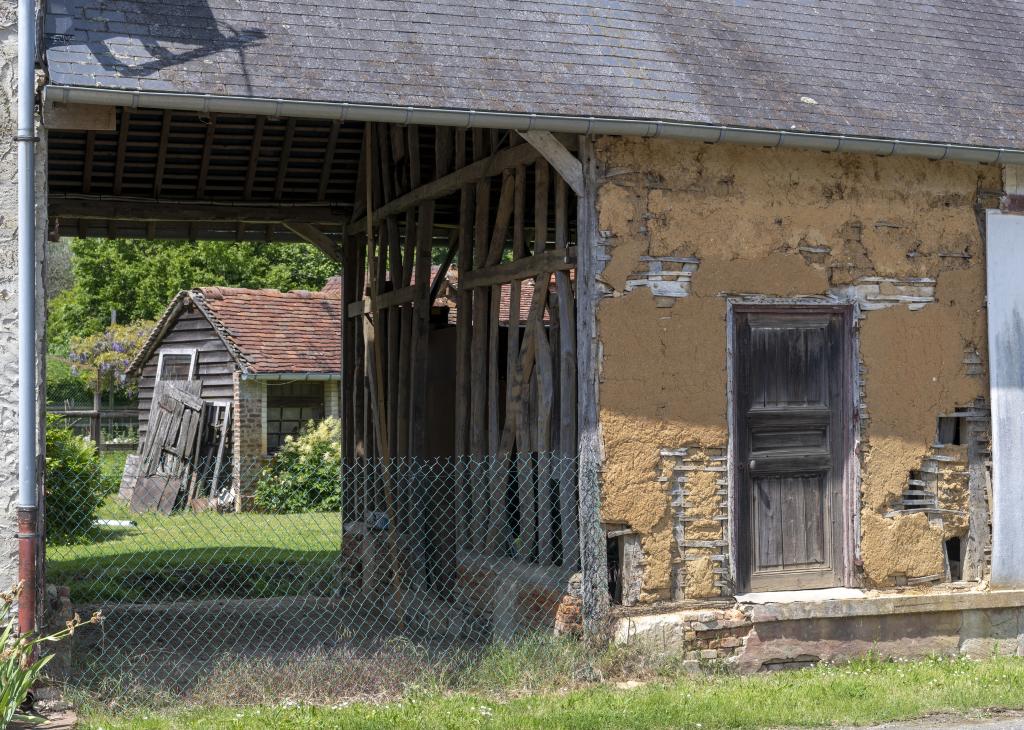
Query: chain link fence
point(349, 579)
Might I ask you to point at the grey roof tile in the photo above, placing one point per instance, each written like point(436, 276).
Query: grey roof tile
point(944, 70)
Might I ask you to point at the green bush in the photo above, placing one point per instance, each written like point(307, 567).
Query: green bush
point(76, 485)
point(305, 475)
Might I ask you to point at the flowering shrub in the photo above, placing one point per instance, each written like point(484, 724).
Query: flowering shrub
point(305, 475)
point(17, 669)
point(75, 484)
point(102, 360)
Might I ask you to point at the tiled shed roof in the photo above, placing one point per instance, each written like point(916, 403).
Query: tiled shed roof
point(268, 331)
point(278, 332)
point(943, 71)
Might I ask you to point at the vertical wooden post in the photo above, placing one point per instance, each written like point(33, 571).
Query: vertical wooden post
point(420, 382)
point(568, 509)
point(542, 403)
point(593, 551)
point(348, 347)
point(524, 482)
point(463, 334)
point(478, 358)
point(95, 432)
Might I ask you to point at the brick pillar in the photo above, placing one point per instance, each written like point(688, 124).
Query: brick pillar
point(250, 449)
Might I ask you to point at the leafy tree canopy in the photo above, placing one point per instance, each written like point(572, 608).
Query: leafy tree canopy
point(139, 278)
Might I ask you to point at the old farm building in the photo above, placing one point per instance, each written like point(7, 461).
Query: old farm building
point(270, 359)
point(783, 355)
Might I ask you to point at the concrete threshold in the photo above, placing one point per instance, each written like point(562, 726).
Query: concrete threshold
point(786, 608)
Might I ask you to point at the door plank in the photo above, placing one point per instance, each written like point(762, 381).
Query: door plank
point(791, 456)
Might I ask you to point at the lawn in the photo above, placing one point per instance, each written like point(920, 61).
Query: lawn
point(196, 555)
point(862, 693)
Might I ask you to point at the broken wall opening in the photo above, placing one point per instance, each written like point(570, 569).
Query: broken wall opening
point(453, 516)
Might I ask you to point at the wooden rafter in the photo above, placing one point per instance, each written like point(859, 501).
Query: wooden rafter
point(90, 149)
point(559, 156)
point(161, 155)
point(254, 157)
point(468, 175)
point(519, 269)
point(127, 209)
point(122, 149)
point(204, 162)
point(286, 153)
point(325, 171)
point(313, 235)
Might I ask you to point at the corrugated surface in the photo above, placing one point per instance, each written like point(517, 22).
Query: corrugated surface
point(941, 71)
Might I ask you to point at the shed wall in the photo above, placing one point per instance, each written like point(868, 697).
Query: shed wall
point(685, 224)
point(214, 365)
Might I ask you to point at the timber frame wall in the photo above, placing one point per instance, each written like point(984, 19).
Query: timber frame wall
point(515, 379)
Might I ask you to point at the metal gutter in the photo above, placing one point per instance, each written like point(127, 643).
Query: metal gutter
point(312, 377)
point(343, 111)
point(28, 505)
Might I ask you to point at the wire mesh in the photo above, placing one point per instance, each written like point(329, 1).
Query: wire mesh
point(384, 571)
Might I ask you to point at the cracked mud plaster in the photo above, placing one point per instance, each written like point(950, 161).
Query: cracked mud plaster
point(746, 213)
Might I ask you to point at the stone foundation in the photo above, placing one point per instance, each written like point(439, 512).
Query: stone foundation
point(755, 637)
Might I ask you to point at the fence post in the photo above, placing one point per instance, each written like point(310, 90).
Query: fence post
point(94, 417)
point(593, 551)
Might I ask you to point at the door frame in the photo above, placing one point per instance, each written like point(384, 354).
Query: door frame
point(849, 414)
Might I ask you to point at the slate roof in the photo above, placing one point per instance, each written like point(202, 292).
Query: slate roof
point(940, 71)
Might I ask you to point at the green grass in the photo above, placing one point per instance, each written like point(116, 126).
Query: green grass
point(196, 555)
point(861, 693)
point(112, 463)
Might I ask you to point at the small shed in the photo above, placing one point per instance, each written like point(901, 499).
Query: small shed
point(273, 357)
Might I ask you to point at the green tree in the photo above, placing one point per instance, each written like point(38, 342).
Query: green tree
point(102, 360)
point(139, 278)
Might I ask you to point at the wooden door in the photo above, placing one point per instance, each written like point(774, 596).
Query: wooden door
point(791, 390)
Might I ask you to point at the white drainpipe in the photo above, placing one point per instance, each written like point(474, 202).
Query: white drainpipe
point(27, 490)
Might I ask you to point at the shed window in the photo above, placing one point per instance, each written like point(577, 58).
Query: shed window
point(290, 406)
point(176, 365)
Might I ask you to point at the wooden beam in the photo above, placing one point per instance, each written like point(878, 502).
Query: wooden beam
point(421, 332)
point(122, 149)
point(442, 270)
point(568, 509)
point(325, 171)
point(348, 345)
point(161, 155)
point(318, 238)
point(527, 267)
point(472, 173)
point(127, 209)
point(462, 325)
point(286, 153)
point(593, 546)
point(79, 117)
point(90, 149)
point(254, 157)
point(204, 164)
point(359, 198)
point(386, 300)
point(501, 219)
point(570, 168)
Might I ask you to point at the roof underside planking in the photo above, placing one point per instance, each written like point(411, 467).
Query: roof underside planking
point(184, 176)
